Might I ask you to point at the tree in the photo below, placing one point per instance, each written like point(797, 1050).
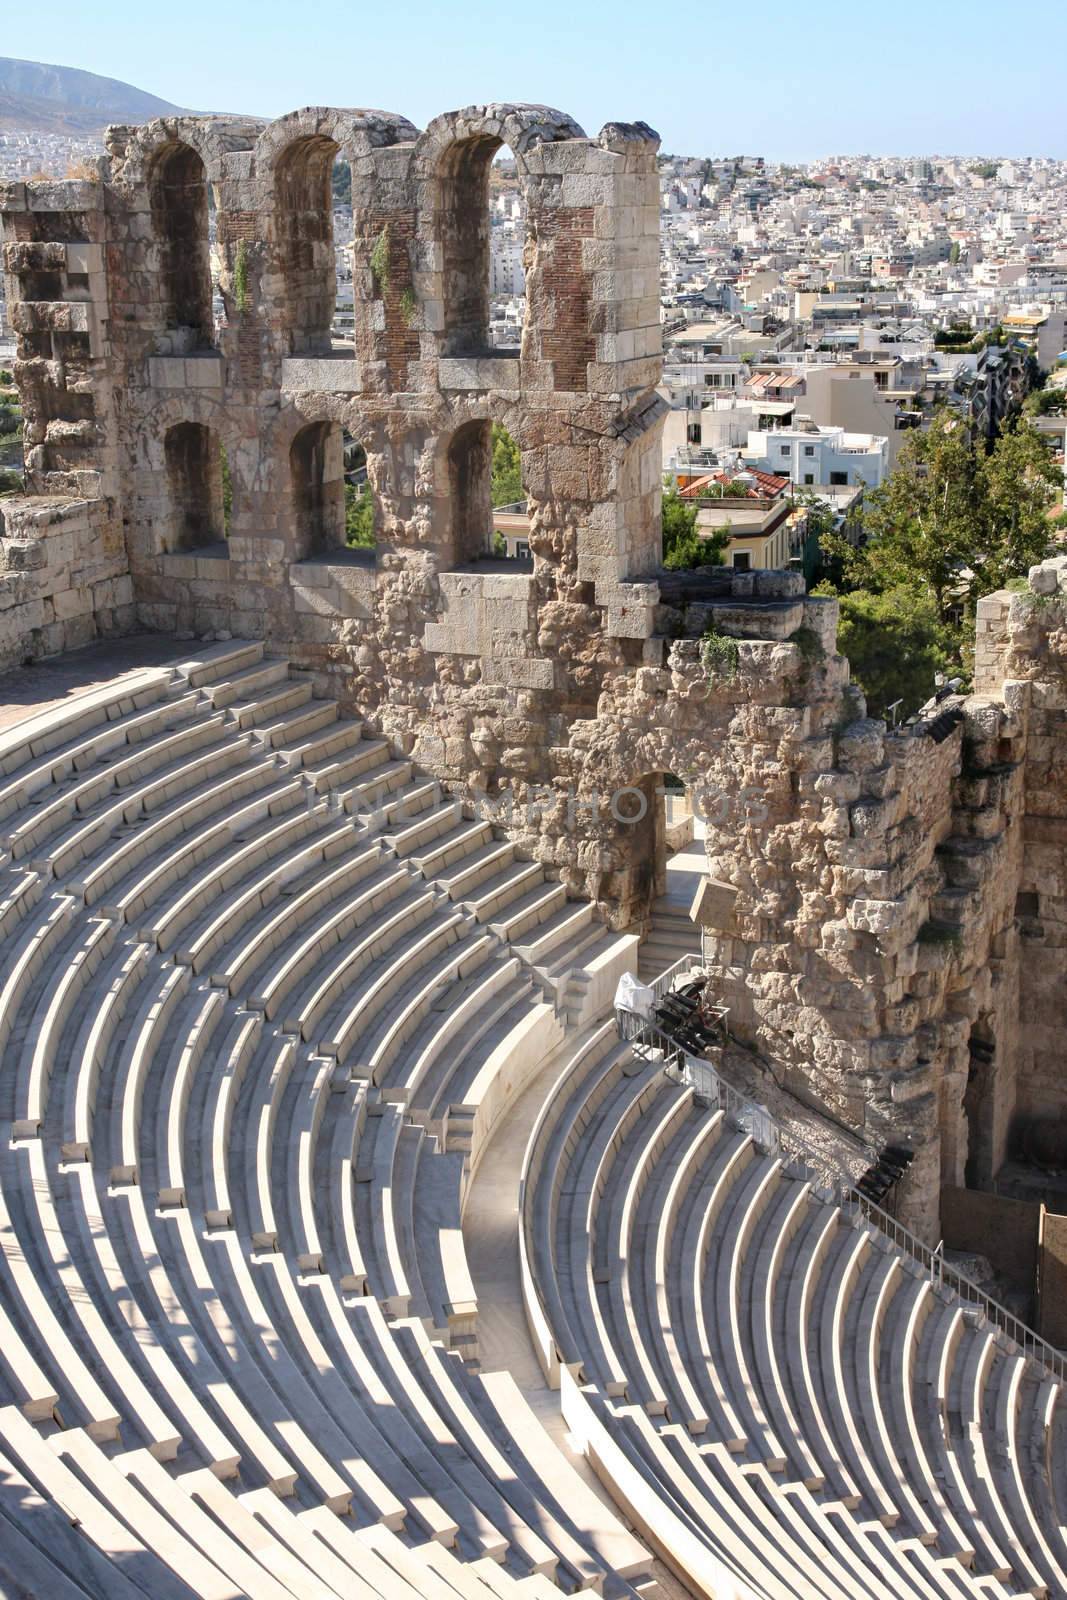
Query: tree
point(920, 526)
point(683, 546)
point(341, 183)
point(895, 643)
point(10, 417)
point(954, 253)
point(359, 517)
point(1045, 402)
point(952, 522)
point(507, 468)
point(1016, 484)
point(822, 555)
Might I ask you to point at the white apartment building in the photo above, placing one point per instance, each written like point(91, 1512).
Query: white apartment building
point(506, 273)
point(815, 457)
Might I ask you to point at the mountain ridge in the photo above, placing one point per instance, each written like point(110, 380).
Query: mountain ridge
point(39, 97)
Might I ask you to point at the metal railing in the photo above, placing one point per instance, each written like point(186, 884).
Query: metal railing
point(680, 968)
point(828, 1177)
point(942, 1274)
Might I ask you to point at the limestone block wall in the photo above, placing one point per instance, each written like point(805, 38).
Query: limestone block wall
point(64, 578)
point(64, 575)
point(1023, 640)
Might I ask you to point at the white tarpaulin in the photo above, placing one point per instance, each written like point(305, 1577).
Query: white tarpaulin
point(633, 996)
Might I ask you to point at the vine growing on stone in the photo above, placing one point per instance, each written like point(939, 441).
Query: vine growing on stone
point(241, 295)
point(719, 653)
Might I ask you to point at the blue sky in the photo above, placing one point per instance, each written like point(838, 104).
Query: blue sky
point(781, 79)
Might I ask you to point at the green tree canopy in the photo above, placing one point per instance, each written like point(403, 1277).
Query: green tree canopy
point(507, 468)
point(951, 523)
point(1046, 402)
point(895, 643)
point(683, 546)
point(359, 516)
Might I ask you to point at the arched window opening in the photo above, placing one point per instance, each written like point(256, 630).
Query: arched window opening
point(664, 833)
point(483, 232)
point(511, 517)
point(343, 326)
point(360, 510)
point(507, 243)
point(682, 826)
point(306, 195)
point(180, 216)
point(199, 490)
point(469, 480)
point(489, 507)
point(316, 465)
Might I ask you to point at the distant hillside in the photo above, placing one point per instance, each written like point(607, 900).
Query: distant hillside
point(38, 98)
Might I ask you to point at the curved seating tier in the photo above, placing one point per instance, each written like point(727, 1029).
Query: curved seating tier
point(773, 1392)
point(259, 1010)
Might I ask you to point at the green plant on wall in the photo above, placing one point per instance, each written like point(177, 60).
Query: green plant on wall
point(408, 306)
point(719, 653)
point(359, 517)
point(241, 294)
point(379, 262)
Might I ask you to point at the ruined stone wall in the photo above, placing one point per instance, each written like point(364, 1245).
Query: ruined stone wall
point(1022, 643)
point(887, 908)
point(64, 574)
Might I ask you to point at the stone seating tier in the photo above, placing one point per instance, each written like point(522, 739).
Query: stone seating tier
point(259, 1012)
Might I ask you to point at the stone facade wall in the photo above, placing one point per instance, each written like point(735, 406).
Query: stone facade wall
point(888, 907)
point(64, 577)
point(64, 574)
point(1022, 640)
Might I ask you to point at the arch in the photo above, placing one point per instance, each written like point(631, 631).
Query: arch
point(296, 155)
point(361, 511)
point(456, 153)
point(481, 473)
point(520, 126)
point(463, 212)
point(303, 224)
point(317, 486)
point(357, 131)
point(470, 472)
point(196, 487)
point(178, 197)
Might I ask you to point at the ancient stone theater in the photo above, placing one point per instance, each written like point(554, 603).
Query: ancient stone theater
point(401, 1193)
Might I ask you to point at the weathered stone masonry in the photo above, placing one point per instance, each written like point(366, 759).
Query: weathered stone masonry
point(888, 908)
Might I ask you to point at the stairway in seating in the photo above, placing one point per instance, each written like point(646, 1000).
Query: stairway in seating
point(673, 933)
point(672, 936)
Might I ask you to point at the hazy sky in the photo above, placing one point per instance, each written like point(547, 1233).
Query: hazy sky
point(781, 79)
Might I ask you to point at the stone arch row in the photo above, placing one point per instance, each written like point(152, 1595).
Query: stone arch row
point(197, 449)
point(286, 168)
